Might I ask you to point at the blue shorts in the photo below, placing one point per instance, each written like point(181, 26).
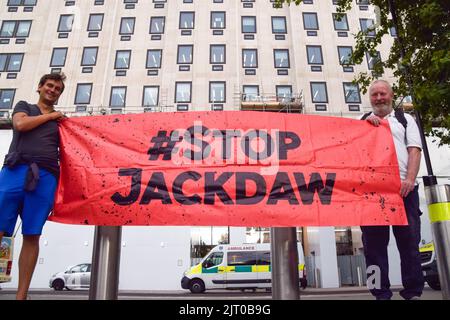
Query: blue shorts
point(33, 207)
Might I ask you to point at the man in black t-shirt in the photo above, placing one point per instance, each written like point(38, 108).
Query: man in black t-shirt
point(30, 173)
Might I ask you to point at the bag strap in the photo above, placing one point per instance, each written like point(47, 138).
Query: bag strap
point(400, 116)
point(366, 115)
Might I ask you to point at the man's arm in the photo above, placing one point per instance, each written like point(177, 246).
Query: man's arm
point(414, 157)
point(24, 122)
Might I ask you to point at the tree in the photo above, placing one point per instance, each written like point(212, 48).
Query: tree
point(419, 58)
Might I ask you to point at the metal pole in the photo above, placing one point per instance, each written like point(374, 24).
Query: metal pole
point(285, 279)
point(438, 200)
point(105, 263)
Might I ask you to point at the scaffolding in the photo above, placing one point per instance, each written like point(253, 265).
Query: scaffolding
point(291, 103)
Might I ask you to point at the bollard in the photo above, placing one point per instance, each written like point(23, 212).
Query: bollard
point(284, 256)
point(358, 271)
point(105, 263)
point(317, 276)
point(438, 201)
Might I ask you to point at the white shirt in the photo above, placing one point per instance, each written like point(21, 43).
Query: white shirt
point(402, 142)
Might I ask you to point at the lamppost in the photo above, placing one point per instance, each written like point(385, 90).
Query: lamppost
point(438, 197)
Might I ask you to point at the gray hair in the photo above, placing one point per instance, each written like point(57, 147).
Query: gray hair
point(387, 84)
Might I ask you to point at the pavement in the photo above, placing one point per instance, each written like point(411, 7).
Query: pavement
point(343, 293)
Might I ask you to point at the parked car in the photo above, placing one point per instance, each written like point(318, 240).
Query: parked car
point(75, 277)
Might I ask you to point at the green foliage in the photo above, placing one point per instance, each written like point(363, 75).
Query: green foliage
point(419, 57)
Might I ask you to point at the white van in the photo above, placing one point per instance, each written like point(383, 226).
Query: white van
point(245, 266)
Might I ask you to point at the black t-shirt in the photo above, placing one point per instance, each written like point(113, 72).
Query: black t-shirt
point(41, 143)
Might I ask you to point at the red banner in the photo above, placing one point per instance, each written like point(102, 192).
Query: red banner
point(227, 169)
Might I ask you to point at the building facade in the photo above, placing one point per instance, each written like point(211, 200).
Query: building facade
point(125, 56)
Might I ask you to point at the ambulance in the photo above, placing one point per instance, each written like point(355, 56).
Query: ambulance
point(429, 266)
point(245, 266)
point(6, 258)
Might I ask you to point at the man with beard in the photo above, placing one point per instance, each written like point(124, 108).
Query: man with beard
point(408, 147)
point(30, 173)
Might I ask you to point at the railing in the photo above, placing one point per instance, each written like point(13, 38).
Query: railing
point(104, 110)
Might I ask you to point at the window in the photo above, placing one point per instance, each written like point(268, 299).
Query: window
point(341, 23)
point(241, 258)
point(314, 54)
point(217, 54)
point(367, 26)
point(260, 235)
point(217, 92)
point(183, 92)
point(351, 93)
point(118, 96)
point(15, 29)
point(11, 62)
point(344, 55)
point(154, 58)
point(157, 25)
point(217, 20)
point(151, 96)
point(185, 54)
point(7, 98)
point(203, 239)
point(284, 93)
point(344, 242)
point(83, 94)
point(249, 58)
point(319, 92)
point(213, 260)
point(122, 59)
point(279, 25)
point(187, 20)
point(281, 58)
point(65, 23)
point(248, 24)
point(22, 2)
point(393, 31)
point(251, 93)
point(89, 56)
point(373, 60)
point(79, 268)
point(310, 21)
point(58, 57)
point(263, 258)
point(95, 22)
point(127, 26)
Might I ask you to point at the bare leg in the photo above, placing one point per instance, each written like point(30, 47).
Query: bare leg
point(27, 263)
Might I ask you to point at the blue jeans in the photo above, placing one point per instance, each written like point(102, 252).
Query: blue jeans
point(375, 240)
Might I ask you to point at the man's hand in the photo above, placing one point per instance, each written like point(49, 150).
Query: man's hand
point(374, 120)
point(406, 187)
point(56, 115)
